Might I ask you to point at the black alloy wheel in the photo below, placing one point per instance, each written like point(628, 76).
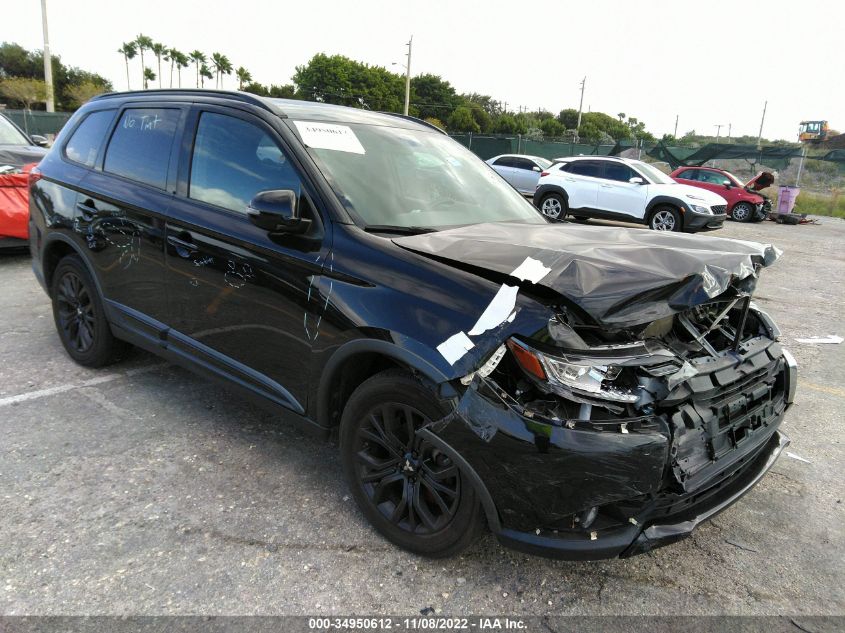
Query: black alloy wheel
point(410, 490)
point(80, 320)
point(413, 484)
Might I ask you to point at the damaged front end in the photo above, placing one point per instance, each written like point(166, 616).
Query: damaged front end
point(597, 442)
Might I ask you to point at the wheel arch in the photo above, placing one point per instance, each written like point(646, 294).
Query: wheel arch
point(356, 361)
point(546, 189)
point(56, 248)
point(663, 201)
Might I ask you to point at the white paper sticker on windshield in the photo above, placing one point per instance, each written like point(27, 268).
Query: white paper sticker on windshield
point(340, 138)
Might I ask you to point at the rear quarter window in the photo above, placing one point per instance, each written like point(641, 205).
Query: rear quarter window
point(86, 140)
point(140, 146)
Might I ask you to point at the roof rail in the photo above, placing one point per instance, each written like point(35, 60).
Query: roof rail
point(246, 97)
point(408, 117)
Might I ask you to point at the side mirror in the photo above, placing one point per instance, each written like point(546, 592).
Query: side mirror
point(537, 169)
point(39, 140)
point(275, 211)
point(636, 180)
point(727, 184)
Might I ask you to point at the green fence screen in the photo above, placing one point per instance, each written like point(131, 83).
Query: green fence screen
point(37, 122)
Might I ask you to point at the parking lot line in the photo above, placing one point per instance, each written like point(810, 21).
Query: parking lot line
point(97, 380)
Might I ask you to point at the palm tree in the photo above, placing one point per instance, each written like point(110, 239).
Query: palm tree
point(205, 73)
point(199, 59)
point(158, 50)
point(244, 77)
point(170, 56)
point(128, 50)
point(143, 43)
point(226, 68)
point(182, 61)
point(149, 75)
point(216, 61)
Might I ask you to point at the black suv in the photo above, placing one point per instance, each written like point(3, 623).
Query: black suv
point(590, 392)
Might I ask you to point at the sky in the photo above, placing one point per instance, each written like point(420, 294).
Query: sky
point(708, 63)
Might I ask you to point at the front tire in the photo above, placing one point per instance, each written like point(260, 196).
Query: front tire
point(665, 218)
point(410, 491)
point(554, 206)
point(79, 316)
point(742, 212)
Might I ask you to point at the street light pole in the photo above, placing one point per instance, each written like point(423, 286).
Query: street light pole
point(408, 77)
point(763, 120)
point(48, 65)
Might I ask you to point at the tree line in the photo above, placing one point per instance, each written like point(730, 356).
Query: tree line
point(325, 78)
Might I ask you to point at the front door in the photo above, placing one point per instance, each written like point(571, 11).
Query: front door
point(242, 300)
point(617, 195)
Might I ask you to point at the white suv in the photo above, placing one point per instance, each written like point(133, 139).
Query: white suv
point(629, 190)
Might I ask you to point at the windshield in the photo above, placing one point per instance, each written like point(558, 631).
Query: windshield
point(652, 173)
point(387, 176)
point(543, 163)
point(9, 134)
point(736, 181)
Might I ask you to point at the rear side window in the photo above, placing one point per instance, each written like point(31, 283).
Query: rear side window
point(585, 168)
point(688, 174)
point(233, 160)
point(140, 146)
point(84, 144)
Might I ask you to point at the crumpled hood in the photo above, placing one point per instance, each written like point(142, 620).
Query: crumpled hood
point(760, 181)
point(618, 276)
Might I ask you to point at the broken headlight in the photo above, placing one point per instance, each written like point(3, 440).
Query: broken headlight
point(574, 376)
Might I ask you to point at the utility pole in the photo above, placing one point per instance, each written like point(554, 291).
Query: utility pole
point(675, 135)
point(48, 63)
point(718, 127)
point(580, 107)
point(408, 77)
point(760, 134)
point(729, 132)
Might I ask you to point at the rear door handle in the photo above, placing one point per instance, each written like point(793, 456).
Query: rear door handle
point(87, 209)
point(183, 247)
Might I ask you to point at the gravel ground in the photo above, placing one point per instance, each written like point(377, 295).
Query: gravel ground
point(142, 489)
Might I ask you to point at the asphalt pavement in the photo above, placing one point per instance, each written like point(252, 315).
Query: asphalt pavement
point(143, 489)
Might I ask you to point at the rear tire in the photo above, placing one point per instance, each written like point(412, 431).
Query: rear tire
point(554, 206)
point(409, 491)
point(742, 212)
point(665, 218)
point(79, 316)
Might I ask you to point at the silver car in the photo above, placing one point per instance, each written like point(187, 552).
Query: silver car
point(522, 172)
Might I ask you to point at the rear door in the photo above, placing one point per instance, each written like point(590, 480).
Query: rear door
point(505, 167)
point(244, 303)
point(121, 210)
point(581, 179)
point(617, 195)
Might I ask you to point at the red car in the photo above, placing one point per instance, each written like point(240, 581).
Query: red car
point(744, 203)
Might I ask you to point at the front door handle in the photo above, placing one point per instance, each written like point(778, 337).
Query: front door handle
point(607, 186)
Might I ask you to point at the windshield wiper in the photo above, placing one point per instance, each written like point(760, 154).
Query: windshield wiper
point(401, 230)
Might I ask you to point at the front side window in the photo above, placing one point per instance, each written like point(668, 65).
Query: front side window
point(233, 160)
point(10, 135)
point(401, 177)
point(504, 161)
point(688, 174)
point(84, 145)
point(140, 146)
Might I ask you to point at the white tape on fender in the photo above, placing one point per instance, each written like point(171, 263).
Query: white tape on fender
point(498, 310)
point(340, 138)
point(454, 347)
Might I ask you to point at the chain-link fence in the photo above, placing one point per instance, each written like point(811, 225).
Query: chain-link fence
point(38, 122)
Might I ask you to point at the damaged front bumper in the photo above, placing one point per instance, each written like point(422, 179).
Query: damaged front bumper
point(592, 489)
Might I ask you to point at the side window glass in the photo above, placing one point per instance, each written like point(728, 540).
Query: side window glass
point(688, 174)
point(505, 161)
point(586, 168)
point(526, 164)
point(618, 172)
point(233, 160)
point(84, 144)
point(140, 146)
